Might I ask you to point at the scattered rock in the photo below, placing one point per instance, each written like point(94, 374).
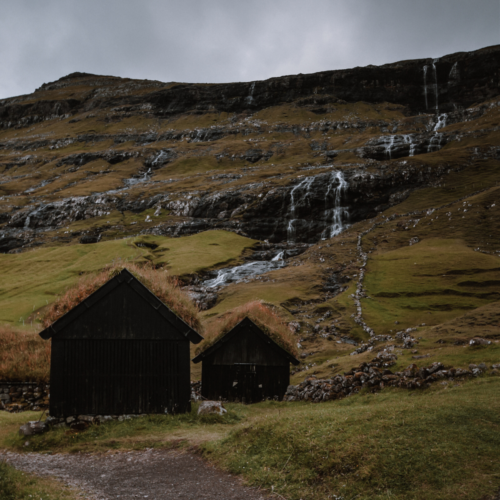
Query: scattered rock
point(211, 407)
point(479, 341)
point(32, 428)
point(373, 376)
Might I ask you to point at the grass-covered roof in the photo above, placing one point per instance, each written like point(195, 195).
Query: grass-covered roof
point(264, 317)
point(158, 282)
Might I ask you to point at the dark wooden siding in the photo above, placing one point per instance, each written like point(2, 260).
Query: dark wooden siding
point(115, 377)
point(120, 355)
point(245, 383)
point(246, 366)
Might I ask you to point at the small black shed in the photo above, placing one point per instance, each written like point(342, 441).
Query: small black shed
point(245, 365)
point(120, 351)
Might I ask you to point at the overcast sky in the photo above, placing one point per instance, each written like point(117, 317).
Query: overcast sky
point(228, 40)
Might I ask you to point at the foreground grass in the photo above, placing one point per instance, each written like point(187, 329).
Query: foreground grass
point(16, 485)
point(441, 443)
point(152, 431)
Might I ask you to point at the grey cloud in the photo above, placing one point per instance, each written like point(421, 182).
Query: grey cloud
point(222, 41)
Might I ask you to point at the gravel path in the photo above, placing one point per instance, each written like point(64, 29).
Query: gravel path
point(155, 475)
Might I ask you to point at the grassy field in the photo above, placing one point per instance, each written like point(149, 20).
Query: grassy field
point(31, 280)
point(430, 282)
point(441, 443)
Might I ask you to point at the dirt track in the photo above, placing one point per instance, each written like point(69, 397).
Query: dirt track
point(155, 475)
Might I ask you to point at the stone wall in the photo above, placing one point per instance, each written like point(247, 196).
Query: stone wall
point(23, 396)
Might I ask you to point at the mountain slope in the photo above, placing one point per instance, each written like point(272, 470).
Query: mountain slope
point(376, 189)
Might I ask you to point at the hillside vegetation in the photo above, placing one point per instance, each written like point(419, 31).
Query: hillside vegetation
point(372, 196)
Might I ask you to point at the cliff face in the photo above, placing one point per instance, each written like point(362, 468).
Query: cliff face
point(422, 86)
point(290, 159)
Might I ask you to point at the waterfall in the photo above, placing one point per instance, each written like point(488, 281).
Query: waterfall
point(303, 185)
point(337, 214)
point(435, 82)
point(389, 142)
point(435, 141)
point(434, 85)
point(409, 140)
point(249, 98)
point(279, 256)
point(441, 121)
point(425, 87)
point(454, 76)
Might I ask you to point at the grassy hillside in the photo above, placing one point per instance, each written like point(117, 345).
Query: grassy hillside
point(424, 254)
point(31, 280)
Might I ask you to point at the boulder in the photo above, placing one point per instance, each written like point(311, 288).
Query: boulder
point(32, 428)
point(211, 407)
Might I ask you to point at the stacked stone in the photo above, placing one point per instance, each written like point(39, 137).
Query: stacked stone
point(371, 343)
point(196, 391)
point(375, 377)
point(82, 422)
point(22, 396)
point(360, 291)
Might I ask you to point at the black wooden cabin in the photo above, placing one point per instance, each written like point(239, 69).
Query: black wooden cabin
point(120, 351)
point(245, 365)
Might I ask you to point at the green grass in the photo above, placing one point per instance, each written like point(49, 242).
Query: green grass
point(440, 444)
point(17, 485)
point(430, 282)
point(153, 431)
point(31, 280)
point(199, 252)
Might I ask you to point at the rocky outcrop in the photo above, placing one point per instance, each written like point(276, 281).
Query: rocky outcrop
point(311, 208)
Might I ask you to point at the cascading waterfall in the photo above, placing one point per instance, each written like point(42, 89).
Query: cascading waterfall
point(435, 83)
point(338, 214)
point(454, 76)
point(389, 142)
point(441, 121)
point(304, 185)
point(279, 256)
point(425, 87)
point(435, 141)
point(409, 140)
point(249, 98)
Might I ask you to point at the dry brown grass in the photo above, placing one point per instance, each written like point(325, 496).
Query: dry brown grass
point(24, 355)
point(165, 287)
point(266, 319)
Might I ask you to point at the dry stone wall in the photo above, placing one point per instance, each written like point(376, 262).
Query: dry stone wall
point(23, 396)
point(375, 377)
